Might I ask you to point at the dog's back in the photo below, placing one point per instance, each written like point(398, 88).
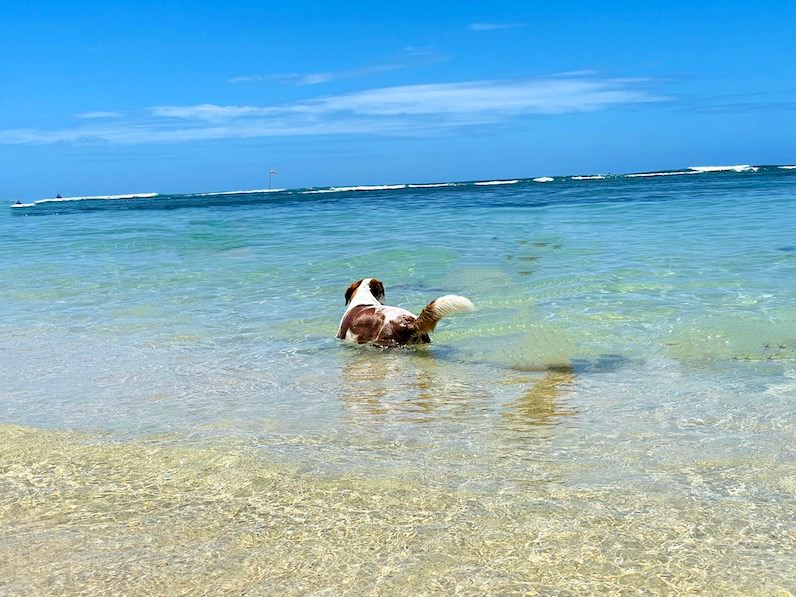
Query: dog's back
point(377, 324)
point(368, 320)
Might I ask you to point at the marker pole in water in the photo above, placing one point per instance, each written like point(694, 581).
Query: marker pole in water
point(271, 173)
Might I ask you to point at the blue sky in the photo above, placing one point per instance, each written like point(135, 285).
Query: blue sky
point(101, 97)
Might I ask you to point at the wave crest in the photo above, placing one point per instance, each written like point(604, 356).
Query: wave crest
point(88, 198)
point(737, 168)
point(486, 183)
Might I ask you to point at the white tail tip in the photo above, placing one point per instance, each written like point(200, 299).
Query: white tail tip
point(450, 304)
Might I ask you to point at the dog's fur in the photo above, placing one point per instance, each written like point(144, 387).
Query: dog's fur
point(368, 320)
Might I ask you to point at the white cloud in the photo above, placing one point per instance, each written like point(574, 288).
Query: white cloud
point(399, 110)
point(540, 96)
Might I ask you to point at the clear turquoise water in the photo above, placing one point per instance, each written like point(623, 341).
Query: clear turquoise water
point(618, 414)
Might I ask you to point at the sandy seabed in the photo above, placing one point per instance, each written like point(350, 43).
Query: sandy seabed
point(81, 515)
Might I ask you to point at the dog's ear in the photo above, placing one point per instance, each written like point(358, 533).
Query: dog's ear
point(377, 290)
point(351, 290)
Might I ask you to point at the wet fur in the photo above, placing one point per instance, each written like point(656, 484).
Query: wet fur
point(368, 321)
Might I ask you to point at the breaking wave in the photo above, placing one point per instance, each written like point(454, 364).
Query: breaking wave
point(486, 183)
point(253, 191)
point(670, 173)
point(696, 170)
point(381, 187)
point(88, 198)
point(738, 168)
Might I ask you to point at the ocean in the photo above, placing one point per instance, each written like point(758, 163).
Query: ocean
point(617, 416)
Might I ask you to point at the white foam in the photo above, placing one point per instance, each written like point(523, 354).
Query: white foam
point(382, 187)
point(648, 174)
point(89, 198)
point(103, 197)
point(431, 185)
point(543, 179)
point(250, 192)
point(496, 182)
point(378, 187)
point(788, 167)
point(737, 168)
point(592, 177)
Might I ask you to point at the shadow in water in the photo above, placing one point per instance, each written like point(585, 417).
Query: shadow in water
point(602, 364)
point(427, 386)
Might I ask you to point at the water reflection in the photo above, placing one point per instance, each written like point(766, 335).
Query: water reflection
point(424, 386)
point(378, 381)
point(541, 401)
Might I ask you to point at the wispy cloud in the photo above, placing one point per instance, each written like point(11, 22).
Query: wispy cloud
point(97, 115)
point(320, 77)
point(399, 110)
point(759, 101)
point(501, 98)
point(209, 112)
point(409, 57)
point(586, 72)
point(494, 26)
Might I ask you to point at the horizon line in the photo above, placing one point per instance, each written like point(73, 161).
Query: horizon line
point(736, 168)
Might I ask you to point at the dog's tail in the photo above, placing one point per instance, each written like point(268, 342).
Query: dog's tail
point(439, 308)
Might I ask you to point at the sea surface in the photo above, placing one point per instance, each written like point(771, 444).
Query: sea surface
point(617, 416)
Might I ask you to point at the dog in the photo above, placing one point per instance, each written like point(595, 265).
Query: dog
point(367, 320)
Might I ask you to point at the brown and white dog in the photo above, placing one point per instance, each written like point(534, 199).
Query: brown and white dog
point(368, 320)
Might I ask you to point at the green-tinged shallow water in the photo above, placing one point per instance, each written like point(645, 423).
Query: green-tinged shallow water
point(618, 415)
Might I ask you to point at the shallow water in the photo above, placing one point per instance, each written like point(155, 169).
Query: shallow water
point(619, 414)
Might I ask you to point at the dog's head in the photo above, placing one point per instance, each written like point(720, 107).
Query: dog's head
point(370, 286)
